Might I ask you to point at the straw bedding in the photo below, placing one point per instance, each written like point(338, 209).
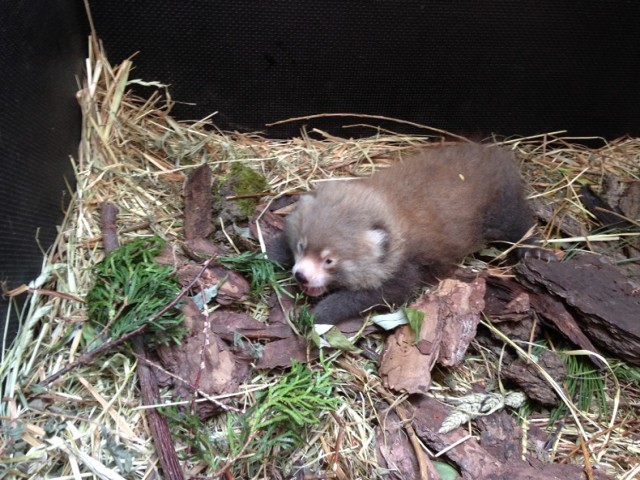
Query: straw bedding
point(90, 424)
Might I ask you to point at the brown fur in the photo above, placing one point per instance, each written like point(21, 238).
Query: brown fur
point(372, 241)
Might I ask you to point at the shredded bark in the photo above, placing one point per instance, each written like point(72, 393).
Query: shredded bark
point(198, 201)
point(108, 214)
point(270, 224)
point(606, 301)
point(231, 286)
point(228, 325)
point(203, 363)
point(529, 379)
point(279, 353)
point(451, 315)
point(506, 294)
point(393, 448)
point(475, 461)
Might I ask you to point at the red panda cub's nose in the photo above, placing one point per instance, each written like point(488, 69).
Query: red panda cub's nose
point(301, 278)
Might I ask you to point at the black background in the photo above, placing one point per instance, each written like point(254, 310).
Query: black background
point(478, 67)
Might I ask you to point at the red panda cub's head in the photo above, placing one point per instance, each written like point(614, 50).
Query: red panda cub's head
point(340, 239)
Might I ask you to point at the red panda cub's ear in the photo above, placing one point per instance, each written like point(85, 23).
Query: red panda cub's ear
point(378, 241)
point(306, 198)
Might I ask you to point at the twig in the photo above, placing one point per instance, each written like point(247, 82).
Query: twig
point(157, 423)
point(376, 117)
point(108, 213)
point(42, 291)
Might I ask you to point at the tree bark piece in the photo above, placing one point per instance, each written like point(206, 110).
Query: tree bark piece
point(503, 293)
point(534, 385)
point(393, 448)
point(451, 316)
point(198, 201)
point(108, 213)
point(474, 460)
point(605, 300)
point(157, 422)
point(202, 362)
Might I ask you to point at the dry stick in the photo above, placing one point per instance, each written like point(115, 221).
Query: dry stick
point(157, 422)
point(377, 117)
point(333, 460)
point(108, 213)
point(423, 461)
point(148, 381)
point(42, 291)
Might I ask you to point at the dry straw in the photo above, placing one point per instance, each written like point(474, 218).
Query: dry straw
point(135, 155)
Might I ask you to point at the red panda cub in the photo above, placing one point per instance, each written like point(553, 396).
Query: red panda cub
point(367, 243)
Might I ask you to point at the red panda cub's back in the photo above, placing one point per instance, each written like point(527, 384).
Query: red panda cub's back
point(370, 242)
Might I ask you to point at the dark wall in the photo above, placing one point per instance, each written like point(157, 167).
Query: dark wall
point(517, 67)
point(41, 58)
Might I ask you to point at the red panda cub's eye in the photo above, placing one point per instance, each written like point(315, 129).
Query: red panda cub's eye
point(328, 261)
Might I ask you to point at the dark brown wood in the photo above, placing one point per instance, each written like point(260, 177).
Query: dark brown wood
point(529, 379)
point(500, 436)
point(393, 449)
point(502, 295)
point(157, 423)
point(228, 325)
point(198, 201)
point(474, 460)
point(605, 301)
point(279, 353)
point(108, 213)
point(608, 216)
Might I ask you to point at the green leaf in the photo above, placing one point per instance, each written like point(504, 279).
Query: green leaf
point(446, 471)
point(415, 319)
point(336, 339)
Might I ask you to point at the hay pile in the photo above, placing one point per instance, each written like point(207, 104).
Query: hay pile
point(90, 424)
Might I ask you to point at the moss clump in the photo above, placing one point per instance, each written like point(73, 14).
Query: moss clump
point(241, 180)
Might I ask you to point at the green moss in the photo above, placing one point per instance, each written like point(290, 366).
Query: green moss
point(240, 180)
point(247, 181)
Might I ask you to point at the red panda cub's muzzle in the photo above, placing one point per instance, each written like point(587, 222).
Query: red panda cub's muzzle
point(314, 273)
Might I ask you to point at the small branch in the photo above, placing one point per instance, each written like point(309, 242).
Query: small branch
point(375, 117)
point(157, 423)
point(42, 291)
point(108, 213)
